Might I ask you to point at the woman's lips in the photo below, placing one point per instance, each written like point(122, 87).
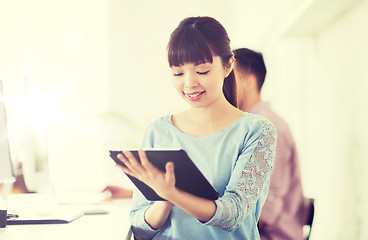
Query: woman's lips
point(194, 96)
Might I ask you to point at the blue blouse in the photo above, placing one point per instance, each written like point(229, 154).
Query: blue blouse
point(237, 161)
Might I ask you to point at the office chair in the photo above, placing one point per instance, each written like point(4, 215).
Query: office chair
point(308, 217)
point(130, 235)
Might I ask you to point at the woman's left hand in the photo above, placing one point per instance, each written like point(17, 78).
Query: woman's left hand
point(161, 182)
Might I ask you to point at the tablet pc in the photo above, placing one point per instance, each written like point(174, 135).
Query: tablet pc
point(188, 177)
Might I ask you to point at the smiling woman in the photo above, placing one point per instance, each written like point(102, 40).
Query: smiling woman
point(238, 146)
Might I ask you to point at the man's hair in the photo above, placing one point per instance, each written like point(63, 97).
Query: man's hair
point(251, 62)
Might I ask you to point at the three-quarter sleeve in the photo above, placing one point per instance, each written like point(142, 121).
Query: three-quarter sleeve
point(250, 175)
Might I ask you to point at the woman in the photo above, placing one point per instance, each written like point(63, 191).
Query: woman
point(233, 149)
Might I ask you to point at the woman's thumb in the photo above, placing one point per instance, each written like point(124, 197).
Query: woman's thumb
point(170, 175)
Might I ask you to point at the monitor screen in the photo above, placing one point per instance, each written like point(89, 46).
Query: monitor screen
point(6, 169)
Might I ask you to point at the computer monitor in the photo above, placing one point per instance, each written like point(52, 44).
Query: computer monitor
point(6, 166)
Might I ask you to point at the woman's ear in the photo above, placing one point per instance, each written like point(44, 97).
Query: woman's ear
point(229, 66)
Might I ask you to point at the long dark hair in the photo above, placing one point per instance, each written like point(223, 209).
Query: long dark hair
point(197, 39)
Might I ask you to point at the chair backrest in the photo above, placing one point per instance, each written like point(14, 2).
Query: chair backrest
point(130, 235)
point(308, 216)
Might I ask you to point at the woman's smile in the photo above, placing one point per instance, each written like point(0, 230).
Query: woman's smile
point(194, 96)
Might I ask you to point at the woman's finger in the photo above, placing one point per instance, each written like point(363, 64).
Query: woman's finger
point(126, 170)
point(146, 163)
point(128, 165)
point(124, 160)
point(170, 175)
point(135, 165)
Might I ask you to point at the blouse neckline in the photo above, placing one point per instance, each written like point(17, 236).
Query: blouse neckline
point(232, 125)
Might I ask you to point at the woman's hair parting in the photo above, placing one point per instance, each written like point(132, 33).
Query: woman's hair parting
point(196, 40)
point(251, 62)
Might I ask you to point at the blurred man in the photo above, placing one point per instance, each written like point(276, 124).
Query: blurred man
point(282, 214)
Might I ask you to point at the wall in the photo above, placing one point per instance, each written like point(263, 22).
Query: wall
point(343, 51)
point(319, 85)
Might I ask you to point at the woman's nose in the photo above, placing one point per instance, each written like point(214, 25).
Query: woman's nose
point(191, 81)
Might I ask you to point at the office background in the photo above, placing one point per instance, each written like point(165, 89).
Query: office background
point(87, 76)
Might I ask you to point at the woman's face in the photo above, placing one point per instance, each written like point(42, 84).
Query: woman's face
point(200, 84)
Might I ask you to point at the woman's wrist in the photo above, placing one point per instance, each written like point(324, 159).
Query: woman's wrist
point(157, 214)
point(170, 195)
point(165, 205)
point(200, 208)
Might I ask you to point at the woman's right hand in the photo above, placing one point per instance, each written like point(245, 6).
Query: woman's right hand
point(163, 183)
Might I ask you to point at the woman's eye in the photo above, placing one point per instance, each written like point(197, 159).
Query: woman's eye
point(177, 74)
point(203, 73)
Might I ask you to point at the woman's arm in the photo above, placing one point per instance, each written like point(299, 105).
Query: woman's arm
point(157, 214)
point(200, 208)
point(249, 179)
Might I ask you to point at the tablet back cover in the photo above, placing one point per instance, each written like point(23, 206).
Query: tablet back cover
point(188, 177)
